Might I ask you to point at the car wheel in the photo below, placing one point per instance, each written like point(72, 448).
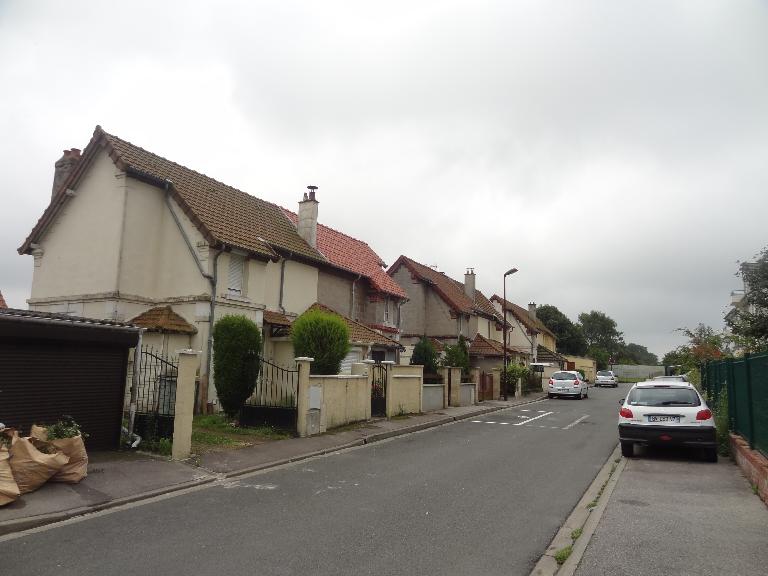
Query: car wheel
point(710, 454)
point(550, 396)
point(627, 449)
point(586, 393)
point(615, 385)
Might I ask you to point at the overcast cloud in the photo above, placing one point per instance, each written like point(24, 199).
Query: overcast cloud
point(615, 152)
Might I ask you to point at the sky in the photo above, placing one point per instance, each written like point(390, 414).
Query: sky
point(615, 152)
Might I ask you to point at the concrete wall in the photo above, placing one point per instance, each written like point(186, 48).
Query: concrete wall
point(636, 371)
point(404, 388)
point(345, 399)
point(433, 397)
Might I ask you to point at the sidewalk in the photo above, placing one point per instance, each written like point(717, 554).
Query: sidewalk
point(116, 478)
point(672, 514)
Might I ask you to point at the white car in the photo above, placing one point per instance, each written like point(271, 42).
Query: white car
point(662, 412)
point(606, 378)
point(681, 378)
point(568, 383)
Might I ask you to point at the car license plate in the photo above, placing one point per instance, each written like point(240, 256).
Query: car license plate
point(562, 388)
point(675, 419)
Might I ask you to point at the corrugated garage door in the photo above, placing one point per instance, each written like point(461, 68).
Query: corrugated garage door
point(40, 381)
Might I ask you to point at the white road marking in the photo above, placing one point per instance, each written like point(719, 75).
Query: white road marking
point(503, 423)
point(532, 419)
point(572, 424)
point(524, 410)
point(488, 422)
point(540, 411)
point(477, 421)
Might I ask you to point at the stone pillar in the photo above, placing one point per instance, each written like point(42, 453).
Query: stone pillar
point(496, 383)
point(519, 388)
point(421, 389)
point(474, 375)
point(302, 399)
point(369, 371)
point(391, 408)
point(455, 399)
point(185, 405)
point(443, 371)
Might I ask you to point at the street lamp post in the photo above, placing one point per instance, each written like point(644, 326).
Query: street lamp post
point(504, 318)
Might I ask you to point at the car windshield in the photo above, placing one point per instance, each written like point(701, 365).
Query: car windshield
point(603, 373)
point(564, 376)
point(663, 397)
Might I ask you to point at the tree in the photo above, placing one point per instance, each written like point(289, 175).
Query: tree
point(458, 355)
point(424, 354)
point(600, 332)
point(600, 356)
point(749, 324)
point(704, 343)
point(637, 354)
point(236, 361)
point(570, 339)
point(322, 336)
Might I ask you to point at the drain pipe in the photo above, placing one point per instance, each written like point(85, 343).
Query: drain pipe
point(352, 308)
point(184, 235)
point(282, 279)
point(211, 315)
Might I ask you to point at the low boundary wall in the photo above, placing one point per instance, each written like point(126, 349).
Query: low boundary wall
point(752, 463)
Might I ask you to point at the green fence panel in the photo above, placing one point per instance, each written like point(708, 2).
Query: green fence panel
point(759, 376)
point(739, 401)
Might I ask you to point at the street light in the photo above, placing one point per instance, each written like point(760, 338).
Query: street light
point(504, 317)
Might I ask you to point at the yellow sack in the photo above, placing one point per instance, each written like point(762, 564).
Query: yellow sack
point(9, 490)
point(33, 462)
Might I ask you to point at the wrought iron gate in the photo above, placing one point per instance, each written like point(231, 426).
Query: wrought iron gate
point(156, 393)
point(274, 399)
point(379, 390)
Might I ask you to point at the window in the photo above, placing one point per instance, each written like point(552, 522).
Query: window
point(386, 310)
point(235, 276)
point(663, 397)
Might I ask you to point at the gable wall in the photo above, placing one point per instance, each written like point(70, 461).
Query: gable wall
point(412, 312)
point(82, 244)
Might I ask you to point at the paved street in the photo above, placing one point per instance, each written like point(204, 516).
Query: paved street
point(481, 496)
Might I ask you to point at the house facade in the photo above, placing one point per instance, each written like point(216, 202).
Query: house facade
point(127, 232)
point(440, 307)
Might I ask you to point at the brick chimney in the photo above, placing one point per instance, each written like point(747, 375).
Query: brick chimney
point(308, 217)
point(469, 283)
point(63, 168)
point(532, 310)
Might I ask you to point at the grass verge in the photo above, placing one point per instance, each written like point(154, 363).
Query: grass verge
point(212, 432)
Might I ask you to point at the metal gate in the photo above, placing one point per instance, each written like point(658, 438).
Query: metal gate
point(156, 393)
point(485, 387)
point(379, 390)
point(274, 399)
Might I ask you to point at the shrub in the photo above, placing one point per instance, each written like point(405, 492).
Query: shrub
point(321, 336)
point(424, 354)
point(512, 374)
point(236, 361)
point(458, 356)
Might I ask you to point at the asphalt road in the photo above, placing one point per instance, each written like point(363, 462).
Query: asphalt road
point(472, 498)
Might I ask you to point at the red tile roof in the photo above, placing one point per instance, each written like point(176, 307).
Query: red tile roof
point(354, 255)
point(163, 319)
point(2, 301)
point(482, 346)
point(222, 213)
point(276, 318)
point(450, 290)
point(359, 333)
point(523, 316)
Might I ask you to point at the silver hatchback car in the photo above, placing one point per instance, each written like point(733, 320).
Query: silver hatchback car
point(568, 383)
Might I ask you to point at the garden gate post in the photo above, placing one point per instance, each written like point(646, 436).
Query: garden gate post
point(185, 404)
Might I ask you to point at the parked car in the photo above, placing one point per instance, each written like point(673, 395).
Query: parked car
point(568, 383)
point(666, 413)
point(681, 378)
point(606, 378)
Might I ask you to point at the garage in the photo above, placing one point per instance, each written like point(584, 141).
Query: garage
point(54, 364)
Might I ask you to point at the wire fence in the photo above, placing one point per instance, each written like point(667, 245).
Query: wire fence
point(745, 380)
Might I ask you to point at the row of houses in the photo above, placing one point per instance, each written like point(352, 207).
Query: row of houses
point(131, 236)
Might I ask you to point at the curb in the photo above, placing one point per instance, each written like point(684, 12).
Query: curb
point(21, 524)
point(584, 518)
